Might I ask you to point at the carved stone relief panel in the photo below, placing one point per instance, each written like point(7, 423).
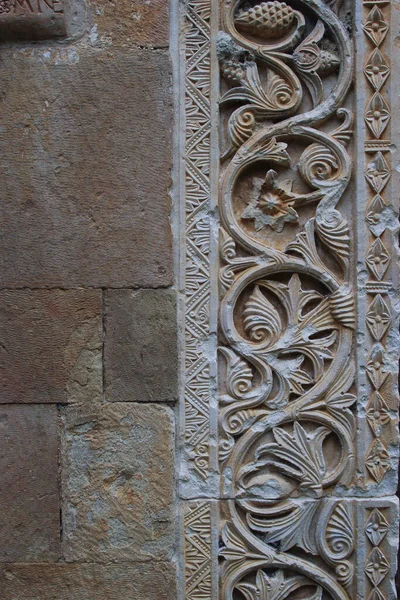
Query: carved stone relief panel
point(289, 210)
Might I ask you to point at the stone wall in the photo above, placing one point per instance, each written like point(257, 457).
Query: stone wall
point(88, 367)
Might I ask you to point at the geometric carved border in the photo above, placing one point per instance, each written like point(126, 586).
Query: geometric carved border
point(289, 453)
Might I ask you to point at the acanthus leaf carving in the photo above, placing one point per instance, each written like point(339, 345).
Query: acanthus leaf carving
point(299, 455)
point(287, 411)
point(289, 523)
point(275, 587)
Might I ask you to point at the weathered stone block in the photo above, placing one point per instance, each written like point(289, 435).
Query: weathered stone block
point(127, 23)
point(151, 581)
point(29, 499)
point(141, 345)
point(118, 482)
point(51, 345)
point(85, 154)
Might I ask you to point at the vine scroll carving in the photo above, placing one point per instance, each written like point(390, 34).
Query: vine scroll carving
point(289, 452)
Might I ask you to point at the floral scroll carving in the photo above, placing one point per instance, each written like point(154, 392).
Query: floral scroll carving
point(287, 413)
point(287, 312)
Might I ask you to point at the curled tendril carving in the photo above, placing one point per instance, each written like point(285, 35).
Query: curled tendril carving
point(287, 305)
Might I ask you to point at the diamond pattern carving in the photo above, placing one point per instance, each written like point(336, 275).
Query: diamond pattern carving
point(377, 70)
point(378, 172)
point(378, 259)
point(377, 566)
point(378, 317)
point(377, 527)
point(377, 413)
point(376, 27)
point(377, 460)
point(378, 115)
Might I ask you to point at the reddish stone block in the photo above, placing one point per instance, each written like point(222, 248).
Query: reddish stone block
point(51, 346)
point(29, 494)
point(136, 581)
point(85, 158)
point(133, 22)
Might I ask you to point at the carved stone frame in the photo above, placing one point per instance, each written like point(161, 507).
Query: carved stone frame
point(288, 451)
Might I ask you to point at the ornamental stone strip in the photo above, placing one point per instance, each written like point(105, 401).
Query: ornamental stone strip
point(300, 101)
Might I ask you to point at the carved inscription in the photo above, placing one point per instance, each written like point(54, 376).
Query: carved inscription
point(30, 7)
point(31, 19)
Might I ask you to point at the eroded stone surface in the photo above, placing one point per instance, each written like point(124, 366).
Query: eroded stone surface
point(126, 23)
point(85, 187)
point(29, 495)
point(51, 346)
point(118, 481)
point(140, 346)
point(153, 581)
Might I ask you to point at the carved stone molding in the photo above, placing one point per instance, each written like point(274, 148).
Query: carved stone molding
point(289, 225)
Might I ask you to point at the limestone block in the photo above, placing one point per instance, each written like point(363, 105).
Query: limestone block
point(151, 581)
point(51, 345)
point(84, 187)
point(29, 500)
point(126, 23)
point(117, 481)
point(140, 346)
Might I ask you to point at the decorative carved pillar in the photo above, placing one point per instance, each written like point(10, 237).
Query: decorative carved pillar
point(288, 128)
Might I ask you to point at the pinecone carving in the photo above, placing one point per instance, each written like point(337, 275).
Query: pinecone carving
point(329, 62)
point(272, 19)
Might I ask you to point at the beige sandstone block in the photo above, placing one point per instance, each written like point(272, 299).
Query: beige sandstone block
point(118, 482)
